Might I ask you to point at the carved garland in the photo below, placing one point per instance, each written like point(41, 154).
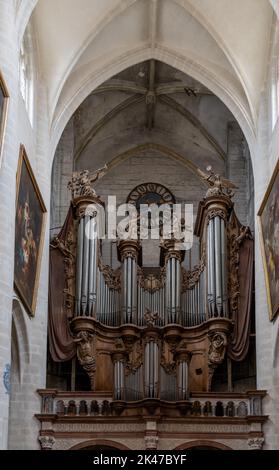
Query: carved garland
point(191, 278)
point(112, 277)
point(68, 248)
point(236, 235)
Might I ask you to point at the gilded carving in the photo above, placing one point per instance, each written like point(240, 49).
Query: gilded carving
point(216, 352)
point(219, 186)
point(150, 317)
point(236, 234)
point(135, 358)
point(167, 362)
point(216, 213)
point(151, 283)
point(86, 353)
point(112, 276)
point(191, 278)
point(81, 183)
point(68, 248)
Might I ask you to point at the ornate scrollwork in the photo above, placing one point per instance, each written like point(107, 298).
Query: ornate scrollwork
point(191, 278)
point(81, 182)
point(217, 347)
point(212, 213)
point(151, 283)
point(135, 358)
point(150, 317)
point(68, 248)
point(112, 276)
point(167, 362)
point(86, 353)
point(216, 352)
point(236, 234)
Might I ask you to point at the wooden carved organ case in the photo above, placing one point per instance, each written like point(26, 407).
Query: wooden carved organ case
point(139, 336)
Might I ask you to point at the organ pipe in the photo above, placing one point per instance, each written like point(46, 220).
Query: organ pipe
point(87, 261)
point(129, 250)
point(151, 365)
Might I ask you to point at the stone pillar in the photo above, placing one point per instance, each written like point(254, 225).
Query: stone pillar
point(9, 69)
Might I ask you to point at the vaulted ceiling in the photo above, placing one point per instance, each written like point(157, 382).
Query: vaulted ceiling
point(222, 43)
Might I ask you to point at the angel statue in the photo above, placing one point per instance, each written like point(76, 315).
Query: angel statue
point(219, 186)
point(81, 182)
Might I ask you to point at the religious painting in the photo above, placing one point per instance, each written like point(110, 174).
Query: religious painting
point(269, 232)
point(4, 98)
point(29, 234)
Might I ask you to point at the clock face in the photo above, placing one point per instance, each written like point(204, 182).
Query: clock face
point(150, 193)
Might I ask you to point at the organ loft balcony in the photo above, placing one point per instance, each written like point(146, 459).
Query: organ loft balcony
point(152, 352)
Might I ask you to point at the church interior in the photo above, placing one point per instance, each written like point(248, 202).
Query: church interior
point(125, 325)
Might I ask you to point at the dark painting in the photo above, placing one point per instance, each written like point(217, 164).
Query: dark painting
point(29, 232)
point(269, 221)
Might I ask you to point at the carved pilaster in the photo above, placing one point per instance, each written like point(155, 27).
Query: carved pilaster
point(151, 442)
point(46, 442)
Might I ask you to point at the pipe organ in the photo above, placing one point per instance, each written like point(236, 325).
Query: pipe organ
point(154, 336)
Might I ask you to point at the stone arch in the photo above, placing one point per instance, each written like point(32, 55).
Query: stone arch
point(69, 102)
point(99, 442)
point(20, 358)
point(203, 443)
point(20, 336)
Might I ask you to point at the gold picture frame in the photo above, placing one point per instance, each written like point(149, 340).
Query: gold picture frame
point(4, 103)
point(29, 233)
point(268, 217)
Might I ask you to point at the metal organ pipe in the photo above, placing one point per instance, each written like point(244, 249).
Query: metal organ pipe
point(129, 253)
point(86, 270)
point(151, 371)
point(183, 385)
point(79, 265)
point(119, 380)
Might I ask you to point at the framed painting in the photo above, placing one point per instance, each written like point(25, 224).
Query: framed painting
point(4, 100)
point(269, 233)
point(29, 233)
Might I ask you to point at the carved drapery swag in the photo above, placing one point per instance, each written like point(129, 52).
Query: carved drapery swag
point(61, 285)
point(241, 257)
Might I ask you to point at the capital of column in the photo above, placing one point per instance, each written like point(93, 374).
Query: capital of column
point(46, 442)
point(129, 249)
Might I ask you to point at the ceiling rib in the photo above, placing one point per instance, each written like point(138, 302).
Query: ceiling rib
point(194, 121)
point(105, 119)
